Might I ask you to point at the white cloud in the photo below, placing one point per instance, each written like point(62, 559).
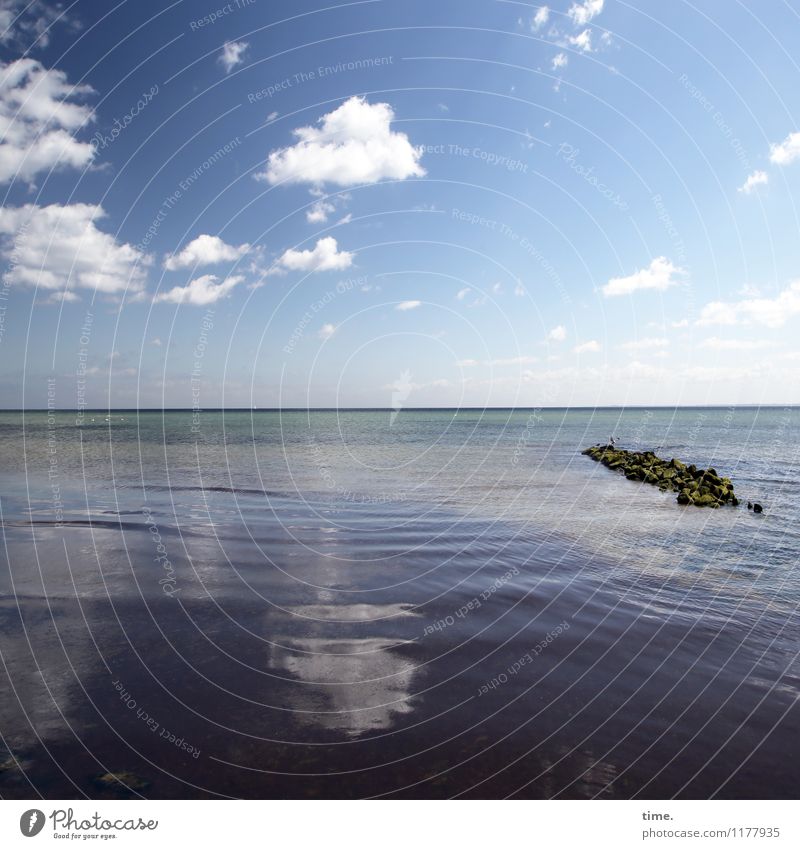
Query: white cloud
point(541, 17)
point(497, 288)
point(354, 144)
point(325, 256)
point(200, 292)
point(404, 306)
point(757, 178)
point(787, 151)
point(62, 295)
point(716, 344)
point(771, 312)
point(38, 117)
point(326, 331)
point(27, 23)
point(232, 54)
point(583, 41)
point(659, 275)
point(560, 60)
point(558, 334)
point(319, 212)
point(519, 290)
point(462, 293)
point(60, 246)
point(466, 363)
point(272, 116)
point(205, 250)
point(645, 344)
point(718, 312)
point(591, 347)
point(582, 13)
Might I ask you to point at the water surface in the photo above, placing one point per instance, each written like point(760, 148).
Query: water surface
point(434, 603)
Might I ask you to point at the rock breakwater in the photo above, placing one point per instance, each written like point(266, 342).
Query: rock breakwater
point(699, 487)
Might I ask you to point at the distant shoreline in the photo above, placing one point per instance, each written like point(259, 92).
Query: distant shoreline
point(109, 410)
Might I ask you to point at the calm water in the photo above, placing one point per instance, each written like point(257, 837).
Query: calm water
point(429, 604)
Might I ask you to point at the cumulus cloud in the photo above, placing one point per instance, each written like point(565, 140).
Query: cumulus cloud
point(55, 246)
point(205, 250)
point(519, 290)
point(558, 334)
point(38, 117)
point(590, 347)
point(771, 312)
point(325, 256)
point(757, 178)
point(462, 293)
point(787, 151)
point(200, 292)
point(582, 41)
point(404, 306)
point(61, 296)
point(541, 17)
point(319, 212)
point(582, 13)
point(27, 23)
point(560, 60)
point(232, 54)
point(660, 274)
point(326, 331)
point(353, 144)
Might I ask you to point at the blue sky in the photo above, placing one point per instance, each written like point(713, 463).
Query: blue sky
point(419, 204)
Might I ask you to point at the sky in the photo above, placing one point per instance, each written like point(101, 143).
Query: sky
point(399, 204)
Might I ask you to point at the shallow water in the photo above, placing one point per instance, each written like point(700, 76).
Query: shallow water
point(435, 604)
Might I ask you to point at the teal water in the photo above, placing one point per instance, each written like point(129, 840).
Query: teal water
point(522, 466)
point(278, 584)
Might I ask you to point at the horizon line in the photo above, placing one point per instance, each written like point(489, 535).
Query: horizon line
point(255, 409)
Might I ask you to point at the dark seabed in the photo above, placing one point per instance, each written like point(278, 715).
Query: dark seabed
point(434, 605)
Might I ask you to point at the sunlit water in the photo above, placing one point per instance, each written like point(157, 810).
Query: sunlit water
point(430, 603)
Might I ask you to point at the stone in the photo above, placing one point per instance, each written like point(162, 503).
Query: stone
point(122, 780)
point(699, 487)
point(757, 508)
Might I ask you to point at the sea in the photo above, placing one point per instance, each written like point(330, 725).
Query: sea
point(415, 603)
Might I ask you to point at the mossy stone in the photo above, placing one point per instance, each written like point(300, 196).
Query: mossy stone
point(128, 780)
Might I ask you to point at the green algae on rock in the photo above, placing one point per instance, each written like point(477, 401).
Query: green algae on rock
point(122, 781)
point(699, 487)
